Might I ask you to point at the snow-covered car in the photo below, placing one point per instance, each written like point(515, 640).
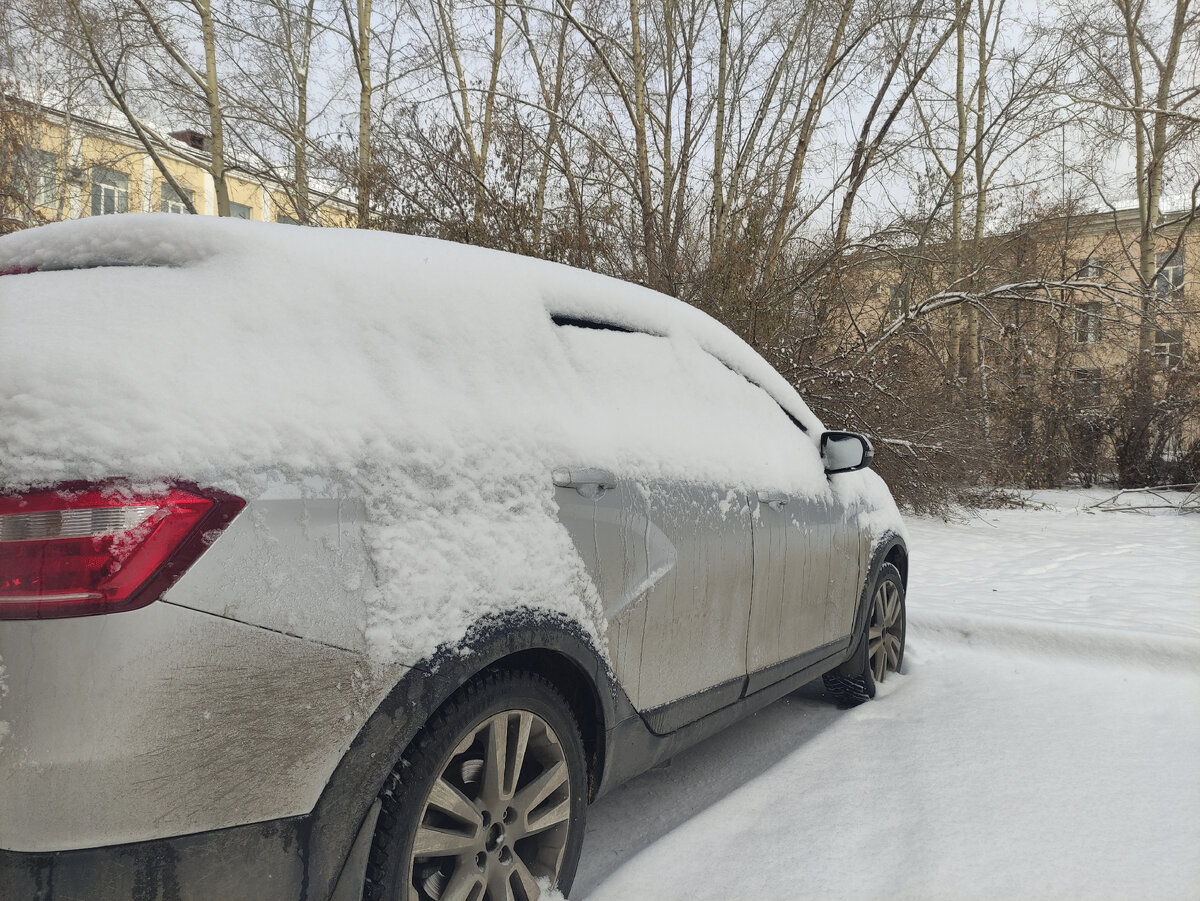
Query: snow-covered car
point(340, 564)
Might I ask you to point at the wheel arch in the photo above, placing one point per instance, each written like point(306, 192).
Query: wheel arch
point(890, 548)
point(897, 555)
point(549, 644)
point(581, 695)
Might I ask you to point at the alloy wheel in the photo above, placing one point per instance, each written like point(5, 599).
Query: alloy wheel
point(497, 818)
point(886, 634)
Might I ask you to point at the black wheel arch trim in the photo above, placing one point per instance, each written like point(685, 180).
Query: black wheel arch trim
point(523, 638)
point(890, 548)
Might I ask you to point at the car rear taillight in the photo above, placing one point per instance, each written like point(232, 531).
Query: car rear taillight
point(80, 549)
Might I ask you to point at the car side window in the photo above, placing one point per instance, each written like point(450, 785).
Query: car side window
point(576, 322)
point(659, 405)
point(749, 381)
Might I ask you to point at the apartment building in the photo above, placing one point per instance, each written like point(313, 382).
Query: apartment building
point(1047, 353)
point(1083, 293)
point(1105, 321)
point(71, 166)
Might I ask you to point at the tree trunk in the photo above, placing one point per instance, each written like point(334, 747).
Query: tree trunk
point(654, 274)
point(213, 99)
point(361, 30)
point(954, 324)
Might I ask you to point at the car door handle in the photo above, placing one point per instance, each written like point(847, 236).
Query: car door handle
point(774, 499)
point(588, 482)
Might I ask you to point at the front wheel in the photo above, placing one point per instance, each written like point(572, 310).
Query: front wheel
point(489, 800)
point(880, 648)
point(886, 624)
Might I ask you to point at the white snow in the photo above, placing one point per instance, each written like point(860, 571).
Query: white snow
point(1048, 571)
point(867, 494)
point(1043, 741)
point(423, 376)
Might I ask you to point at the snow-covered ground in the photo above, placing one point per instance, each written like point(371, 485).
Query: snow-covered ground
point(1042, 742)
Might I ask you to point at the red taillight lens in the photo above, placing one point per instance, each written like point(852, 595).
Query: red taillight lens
point(82, 549)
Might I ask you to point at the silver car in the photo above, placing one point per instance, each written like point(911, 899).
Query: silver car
point(351, 565)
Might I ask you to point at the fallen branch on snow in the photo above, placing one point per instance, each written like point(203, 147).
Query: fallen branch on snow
point(1183, 503)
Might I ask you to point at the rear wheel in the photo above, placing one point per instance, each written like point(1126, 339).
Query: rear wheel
point(489, 800)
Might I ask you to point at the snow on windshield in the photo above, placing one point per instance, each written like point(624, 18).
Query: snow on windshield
point(424, 376)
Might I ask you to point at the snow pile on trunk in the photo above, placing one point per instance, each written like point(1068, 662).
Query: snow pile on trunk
point(424, 376)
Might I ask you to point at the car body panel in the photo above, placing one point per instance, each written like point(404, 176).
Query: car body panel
point(596, 521)
point(694, 632)
point(672, 564)
point(260, 862)
point(294, 562)
point(271, 859)
point(164, 721)
point(793, 568)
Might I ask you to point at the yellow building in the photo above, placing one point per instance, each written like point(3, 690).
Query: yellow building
point(75, 166)
point(1103, 248)
point(1097, 327)
point(1050, 360)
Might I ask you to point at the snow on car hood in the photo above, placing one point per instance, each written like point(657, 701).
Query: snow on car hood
point(423, 375)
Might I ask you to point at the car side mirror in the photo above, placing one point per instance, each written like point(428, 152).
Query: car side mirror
point(845, 451)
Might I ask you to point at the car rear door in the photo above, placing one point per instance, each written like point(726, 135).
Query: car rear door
point(670, 555)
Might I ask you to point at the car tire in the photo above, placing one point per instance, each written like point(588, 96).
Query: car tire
point(497, 779)
point(887, 624)
point(880, 648)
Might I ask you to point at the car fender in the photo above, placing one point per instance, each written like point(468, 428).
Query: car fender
point(524, 637)
point(889, 547)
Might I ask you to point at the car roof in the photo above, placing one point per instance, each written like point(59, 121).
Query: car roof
point(205, 244)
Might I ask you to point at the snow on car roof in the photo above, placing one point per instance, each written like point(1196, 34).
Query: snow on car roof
point(422, 375)
point(155, 240)
point(244, 343)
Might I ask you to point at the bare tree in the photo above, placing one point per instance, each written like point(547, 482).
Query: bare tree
point(169, 23)
point(1140, 75)
point(274, 46)
point(1000, 106)
point(356, 15)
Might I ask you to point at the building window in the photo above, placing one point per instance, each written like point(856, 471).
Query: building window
point(1088, 384)
point(897, 302)
point(1170, 274)
point(239, 211)
point(286, 219)
point(1168, 347)
point(110, 192)
point(1087, 322)
point(45, 178)
point(172, 201)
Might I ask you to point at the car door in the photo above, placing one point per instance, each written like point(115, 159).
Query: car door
point(794, 537)
point(673, 566)
point(807, 572)
point(671, 556)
